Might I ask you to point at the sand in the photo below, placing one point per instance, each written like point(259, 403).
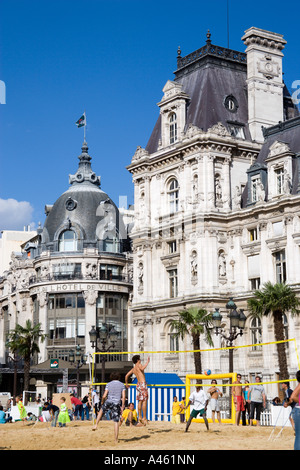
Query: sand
point(78, 435)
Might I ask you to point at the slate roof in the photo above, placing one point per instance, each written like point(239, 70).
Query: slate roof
point(208, 80)
point(208, 76)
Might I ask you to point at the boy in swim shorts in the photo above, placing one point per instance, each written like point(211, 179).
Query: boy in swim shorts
point(141, 387)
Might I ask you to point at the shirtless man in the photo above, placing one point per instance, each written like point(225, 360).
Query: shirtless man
point(238, 398)
point(141, 386)
point(214, 404)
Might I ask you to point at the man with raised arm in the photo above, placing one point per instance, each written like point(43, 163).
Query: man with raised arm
point(141, 386)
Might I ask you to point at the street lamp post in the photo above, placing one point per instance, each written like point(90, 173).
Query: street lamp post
point(236, 328)
point(105, 334)
point(80, 360)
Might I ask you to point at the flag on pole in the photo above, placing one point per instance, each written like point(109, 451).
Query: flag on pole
point(81, 121)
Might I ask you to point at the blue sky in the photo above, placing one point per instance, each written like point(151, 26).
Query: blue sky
point(110, 58)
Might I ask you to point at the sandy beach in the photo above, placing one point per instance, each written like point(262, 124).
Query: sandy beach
point(79, 435)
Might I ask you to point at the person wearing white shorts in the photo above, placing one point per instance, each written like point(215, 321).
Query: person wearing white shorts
point(214, 405)
point(215, 393)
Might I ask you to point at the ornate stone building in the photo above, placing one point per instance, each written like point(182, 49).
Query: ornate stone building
point(216, 194)
point(74, 275)
point(216, 215)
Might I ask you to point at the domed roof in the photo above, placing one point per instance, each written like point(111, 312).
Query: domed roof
point(83, 208)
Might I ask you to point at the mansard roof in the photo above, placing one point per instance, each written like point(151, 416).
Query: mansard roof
point(209, 76)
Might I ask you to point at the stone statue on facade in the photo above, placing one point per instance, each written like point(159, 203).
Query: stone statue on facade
point(287, 183)
point(237, 198)
point(261, 194)
point(222, 264)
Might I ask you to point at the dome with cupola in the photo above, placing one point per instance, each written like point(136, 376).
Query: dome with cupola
point(84, 216)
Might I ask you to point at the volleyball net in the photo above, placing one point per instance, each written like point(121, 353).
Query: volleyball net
point(248, 361)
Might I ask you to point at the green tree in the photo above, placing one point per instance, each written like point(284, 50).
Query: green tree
point(24, 341)
point(276, 299)
point(194, 322)
point(12, 344)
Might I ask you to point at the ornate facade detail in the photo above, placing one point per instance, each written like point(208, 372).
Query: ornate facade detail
point(219, 129)
point(140, 154)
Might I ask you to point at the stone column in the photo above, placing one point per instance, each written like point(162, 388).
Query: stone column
point(226, 184)
point(209, 181)
point(43, 300)
point(90, 297)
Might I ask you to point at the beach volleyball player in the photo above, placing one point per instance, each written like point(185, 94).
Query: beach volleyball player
point(141, 386)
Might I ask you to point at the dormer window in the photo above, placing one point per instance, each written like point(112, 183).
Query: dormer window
point(67, 241)
point(173, 128)
point(173, 113)
point(237, 131)
point(255, 181)
point(279, 180)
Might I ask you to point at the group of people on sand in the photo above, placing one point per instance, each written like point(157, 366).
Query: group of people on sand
point(113, 401)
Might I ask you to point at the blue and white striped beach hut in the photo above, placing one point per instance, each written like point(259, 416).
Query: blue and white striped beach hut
point(162, 389)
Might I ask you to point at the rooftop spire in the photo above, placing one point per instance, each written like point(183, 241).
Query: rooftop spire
point(84, 174)
point(208, 35)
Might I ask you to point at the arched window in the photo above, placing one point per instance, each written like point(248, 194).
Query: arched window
point(173, 191)
point(256, 333)
point(173, 340)
point(173, 128)
point(67, 241)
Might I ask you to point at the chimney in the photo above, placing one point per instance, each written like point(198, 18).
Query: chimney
point(264, 79)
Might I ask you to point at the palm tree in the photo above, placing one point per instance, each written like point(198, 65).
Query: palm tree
point(194, 322)
point(276, 299)
point(12, 344)
point(24, 340)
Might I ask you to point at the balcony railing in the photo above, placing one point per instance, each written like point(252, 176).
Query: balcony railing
point(79, 277)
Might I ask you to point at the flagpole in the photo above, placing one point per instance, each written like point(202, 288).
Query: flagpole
point(84, 126)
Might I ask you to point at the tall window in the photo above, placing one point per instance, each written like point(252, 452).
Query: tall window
point(280, 265)
point(255, 283)
point(256, 333)
point(254, 188)
point(172, 247)
point(173, 340)
point(252, 234)
point(173, 195)
point(110, 272)
point(67, 241)
point(279, 180)
point(173, 283)
point(173, 128)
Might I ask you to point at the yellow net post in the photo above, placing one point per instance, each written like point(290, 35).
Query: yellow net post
point(189, 377)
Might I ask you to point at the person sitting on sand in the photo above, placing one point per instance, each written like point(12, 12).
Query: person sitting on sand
point(130, 416)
